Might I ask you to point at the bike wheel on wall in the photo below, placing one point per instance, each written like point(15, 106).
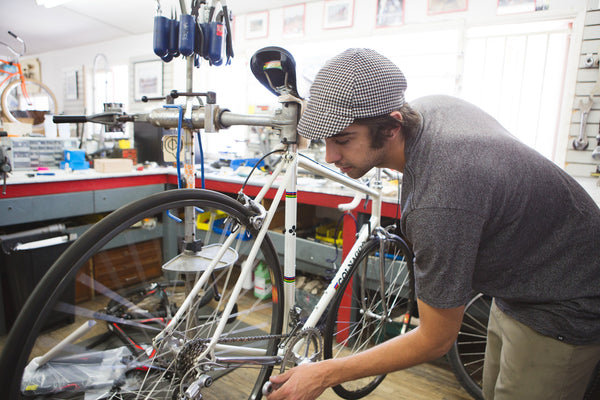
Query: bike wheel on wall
point(118, 287)
point(467, 354)
point(363, 315)
point(17, 108)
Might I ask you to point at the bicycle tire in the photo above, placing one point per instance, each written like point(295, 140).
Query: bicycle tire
point(15, 106)
point(118, 236)
point(468, 351)
point(351, 325)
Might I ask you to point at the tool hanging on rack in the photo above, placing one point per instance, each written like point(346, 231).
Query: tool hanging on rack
point(204, 32)
point(585, 106)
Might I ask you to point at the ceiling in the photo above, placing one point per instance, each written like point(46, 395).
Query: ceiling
point(81, 22)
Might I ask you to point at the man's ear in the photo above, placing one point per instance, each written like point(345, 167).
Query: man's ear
point(396, 115)
point(397, 130)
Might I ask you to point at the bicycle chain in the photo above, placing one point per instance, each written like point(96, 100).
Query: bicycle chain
point(186, 358)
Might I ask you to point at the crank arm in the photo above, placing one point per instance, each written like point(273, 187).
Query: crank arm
point(248, 361)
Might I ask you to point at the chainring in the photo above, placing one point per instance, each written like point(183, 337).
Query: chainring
point(309, 350)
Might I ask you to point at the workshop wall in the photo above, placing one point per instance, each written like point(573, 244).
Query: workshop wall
point(579, 160)
point(429, 47)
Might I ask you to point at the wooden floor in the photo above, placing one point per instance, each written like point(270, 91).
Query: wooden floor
point(430, 381)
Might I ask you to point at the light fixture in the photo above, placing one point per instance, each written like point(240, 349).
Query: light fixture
point(51, 3)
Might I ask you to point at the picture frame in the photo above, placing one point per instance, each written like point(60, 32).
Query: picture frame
point(446, 6)
point(338, 14)
point(257, 25)
point(542, 5)
point(515, 6)
point(293, 20)
point(32, 68)
point(148, 79)
point(389, 13)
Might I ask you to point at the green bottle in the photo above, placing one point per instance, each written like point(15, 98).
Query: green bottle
point(262, 281)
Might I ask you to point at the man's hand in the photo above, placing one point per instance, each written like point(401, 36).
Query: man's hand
point(305, 382)
point(431, 339)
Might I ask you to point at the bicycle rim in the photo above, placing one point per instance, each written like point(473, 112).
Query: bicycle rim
point(28, 109)
point(360, 315)
point(93, 284)
point(467, 354)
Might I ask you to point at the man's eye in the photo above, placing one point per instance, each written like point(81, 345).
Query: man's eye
point(342, 141)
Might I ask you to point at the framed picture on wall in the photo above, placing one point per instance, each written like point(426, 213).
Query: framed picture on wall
point(542, 5)
point(445, 6)
point(293, 20)
point(148, 79)
point(389, 13)
point(515, 6)
point(257, 25)
point(338, 14)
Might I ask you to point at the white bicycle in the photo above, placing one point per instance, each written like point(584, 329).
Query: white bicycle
point(168, 312)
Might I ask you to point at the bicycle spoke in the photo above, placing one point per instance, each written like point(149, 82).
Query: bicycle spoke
point(356, 321)
point(467, 355)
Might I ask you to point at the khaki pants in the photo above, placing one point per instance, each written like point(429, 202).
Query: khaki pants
point(523, 364)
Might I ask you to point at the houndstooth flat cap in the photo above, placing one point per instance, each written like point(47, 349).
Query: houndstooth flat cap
point(358, 83)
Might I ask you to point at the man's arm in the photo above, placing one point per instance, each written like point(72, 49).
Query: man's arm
point(432, 339)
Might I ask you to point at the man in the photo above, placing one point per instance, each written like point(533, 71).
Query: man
point(484, 213)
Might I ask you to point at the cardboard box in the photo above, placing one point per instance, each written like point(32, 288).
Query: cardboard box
point(16, 129)
point(113, 165)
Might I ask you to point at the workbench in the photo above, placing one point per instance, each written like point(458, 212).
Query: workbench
point(34, 200)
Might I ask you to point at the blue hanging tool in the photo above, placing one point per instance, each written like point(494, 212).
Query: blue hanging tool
point(187, 27)
point(161, 33)
point(173, 38)
point(216, 31)
point(218, 41)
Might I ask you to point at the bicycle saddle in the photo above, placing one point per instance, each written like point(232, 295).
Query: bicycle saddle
point(275, 68)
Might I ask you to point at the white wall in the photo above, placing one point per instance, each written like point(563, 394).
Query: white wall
point(421, 39)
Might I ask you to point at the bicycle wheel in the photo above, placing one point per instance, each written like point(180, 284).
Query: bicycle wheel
point(363, 315)
point(467, 354)
point(17, 108)
point(118, 355)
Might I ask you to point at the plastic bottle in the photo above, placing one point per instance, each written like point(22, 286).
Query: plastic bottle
point(262, 282)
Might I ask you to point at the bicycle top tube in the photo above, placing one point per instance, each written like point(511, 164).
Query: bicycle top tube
point(315, 167)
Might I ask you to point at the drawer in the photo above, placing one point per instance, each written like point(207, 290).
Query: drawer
point(128, 265)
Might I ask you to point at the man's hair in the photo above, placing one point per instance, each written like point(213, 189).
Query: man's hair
point(380, 125)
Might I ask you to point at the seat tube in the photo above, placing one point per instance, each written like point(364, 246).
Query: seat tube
point(375, 219)
point(289, 261)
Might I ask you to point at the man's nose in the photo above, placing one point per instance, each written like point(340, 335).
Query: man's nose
point(331, 154)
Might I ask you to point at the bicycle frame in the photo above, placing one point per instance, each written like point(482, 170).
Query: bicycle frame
point(11, 75)
point(284, 180)
point(291, 161)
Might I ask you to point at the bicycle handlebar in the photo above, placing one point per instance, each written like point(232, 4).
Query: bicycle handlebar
point(15, 52)
point(64, 119)
point(108, 118)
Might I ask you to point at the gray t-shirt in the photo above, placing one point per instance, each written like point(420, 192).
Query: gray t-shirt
point(486, 213)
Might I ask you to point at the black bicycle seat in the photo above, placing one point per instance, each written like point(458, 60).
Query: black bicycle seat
point(275, 68)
